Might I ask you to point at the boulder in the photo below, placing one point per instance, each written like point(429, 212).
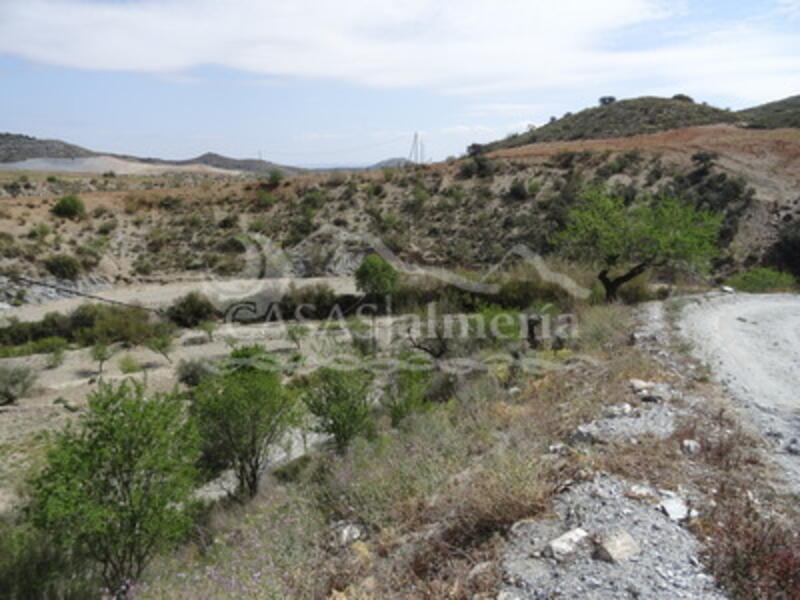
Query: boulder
point(675, 508)
point(567, 544)
point(615, 546)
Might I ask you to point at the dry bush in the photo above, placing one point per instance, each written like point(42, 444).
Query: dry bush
point(755, 557)
point(602, 327)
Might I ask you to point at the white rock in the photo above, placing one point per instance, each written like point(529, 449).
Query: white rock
point(641, 492)
point(514, 391)
point(674, 508)
point(727, 289)
point(348, 533)
point(618, 410)
point(691, 447)
point(505, 595)
point(640, 386)
point(616, 546)
point(566, 545)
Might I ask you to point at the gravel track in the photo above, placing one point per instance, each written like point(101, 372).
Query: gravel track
point(752, 343)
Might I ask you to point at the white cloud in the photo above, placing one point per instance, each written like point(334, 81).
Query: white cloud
point(505, 109)
point(470, 46)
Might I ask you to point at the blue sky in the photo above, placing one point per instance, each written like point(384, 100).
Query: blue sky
point(311, 82)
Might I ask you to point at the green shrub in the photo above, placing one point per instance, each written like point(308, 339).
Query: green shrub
point(128, 365)
point(63, 266)
point(192, 372)
point(762, 280)
point(15, 382)
point(115, 491)
point(69, 207)
point(786, 252)
point(339, 401)
point(32, 566)
point(518, 190)
point(56, 355)
point(242, 416)
point(320, 296)
point(250, 358)
point(407, 394)
point(191, 310)
point(376, 276)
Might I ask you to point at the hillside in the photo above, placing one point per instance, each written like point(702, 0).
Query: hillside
point(467, 213)
point(620, 119)
point(639, 116)
point(16, 148)
point(784, 113)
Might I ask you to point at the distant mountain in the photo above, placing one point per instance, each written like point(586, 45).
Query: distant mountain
point(649, 115)
point(16, 148)
point(250, 165)
point(391, 163)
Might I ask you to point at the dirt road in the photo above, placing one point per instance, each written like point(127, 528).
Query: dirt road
point(161, 295)
point(752, 343)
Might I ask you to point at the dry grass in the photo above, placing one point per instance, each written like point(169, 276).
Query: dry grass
point(434, 497)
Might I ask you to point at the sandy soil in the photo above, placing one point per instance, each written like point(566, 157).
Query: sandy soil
point(103, 164)
point(752, 342)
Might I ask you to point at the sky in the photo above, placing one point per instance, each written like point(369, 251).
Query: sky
point(317, 82)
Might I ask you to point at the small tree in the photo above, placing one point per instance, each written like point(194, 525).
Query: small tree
point(375, 276)
point(101, 353)
point(115, 491)
point(242, 416)
point(606, 100)
point(339, 400)
point(208, 327)
point(662, 231)
point(161, 344)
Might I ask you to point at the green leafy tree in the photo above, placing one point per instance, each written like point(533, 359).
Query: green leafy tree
point(339, 400)
point(624, 241)
point(241, 417)
point(115, 490)
point(375, 276)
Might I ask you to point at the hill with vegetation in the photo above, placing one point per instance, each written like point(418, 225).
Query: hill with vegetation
point(16, 148)
point(784, 113)
point(637, 116)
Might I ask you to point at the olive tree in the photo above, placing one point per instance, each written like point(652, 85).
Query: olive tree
point(626, 240)
point(116, 489)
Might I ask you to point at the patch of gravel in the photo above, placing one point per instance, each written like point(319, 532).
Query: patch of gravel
point(665, 566)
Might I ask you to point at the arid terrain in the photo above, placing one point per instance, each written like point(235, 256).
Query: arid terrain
point(647, 448)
